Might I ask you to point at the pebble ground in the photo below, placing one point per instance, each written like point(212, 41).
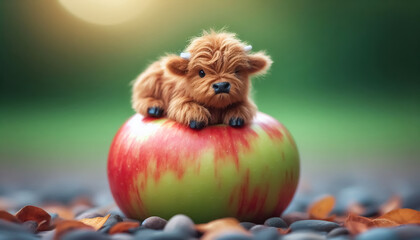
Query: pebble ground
point(294, 224)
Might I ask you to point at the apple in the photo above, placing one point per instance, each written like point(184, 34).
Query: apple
point(158, 167)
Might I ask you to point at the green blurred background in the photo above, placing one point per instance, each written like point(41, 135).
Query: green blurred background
point(345, 78)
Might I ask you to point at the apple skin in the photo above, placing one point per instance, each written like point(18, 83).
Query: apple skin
point(158, 167)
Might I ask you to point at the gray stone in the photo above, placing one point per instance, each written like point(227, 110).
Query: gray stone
point(85, 234)
point(304, 235)
point(378, 234)
point(342, 237)
point(121, 236)
point(408, 232)
point(258, 228)
point(89, 214)
point(247, 225)
point(47, 235)
point(315, 225)
point(180, 223)
point(294, 217)
point(338, 232)
point(269, 233)
point(7, 226)
point(150, 234)
point(234, 236)
point(154, 222)
point(276, 222)
point(31, 226)
point(7, 235)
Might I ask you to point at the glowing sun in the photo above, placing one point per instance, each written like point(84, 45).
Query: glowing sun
point(104, 12)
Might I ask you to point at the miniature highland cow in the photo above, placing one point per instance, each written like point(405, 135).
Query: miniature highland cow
point(207, 84)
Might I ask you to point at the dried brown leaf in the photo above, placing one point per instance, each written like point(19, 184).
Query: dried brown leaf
point(383, 223)
point(321, 208)
point(122, 227)
point(357, 224)
point(62, 211)
point(217, 227)
point(403, 216)
point(32, 213)
point(283, 231)
point(4, 215)
point(96, 223)
point(395, 202)
point(66, 226)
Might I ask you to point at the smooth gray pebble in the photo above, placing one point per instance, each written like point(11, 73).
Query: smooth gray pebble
point(276, 222)
point(234, 236)
point(154, 222)
point(6, 226)
point(88, 214)
point(378, 234)
point(408, 232)
point(258, 228)
point(145, 233)
point(269, 233)
point(180, 223)
point(85, 234)
point(161, 235)
point(304, 235)
point(31, 226)
point(315, 225)
point(6, 235)
point(342, 237)
point(338, 232)
point(247, 225)
point(122, 236)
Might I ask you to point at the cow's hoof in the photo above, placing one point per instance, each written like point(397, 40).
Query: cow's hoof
point(155, 112)
point(197, 125)
point(236, 122)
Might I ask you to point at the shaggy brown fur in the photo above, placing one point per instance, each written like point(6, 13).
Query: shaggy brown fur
point(185, 91)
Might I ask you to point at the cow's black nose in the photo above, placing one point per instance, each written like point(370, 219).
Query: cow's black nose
point(221, 87)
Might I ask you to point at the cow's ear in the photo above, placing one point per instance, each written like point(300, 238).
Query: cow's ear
point(177, 65)
point(259, 63)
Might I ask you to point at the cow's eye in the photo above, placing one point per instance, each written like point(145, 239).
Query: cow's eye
point(201, 73)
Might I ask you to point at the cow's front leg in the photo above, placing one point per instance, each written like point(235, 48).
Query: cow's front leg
point(240, 114)
point(149, 106)
point(188, 112)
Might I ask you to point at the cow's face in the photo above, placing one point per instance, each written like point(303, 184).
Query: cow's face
point(217, 69)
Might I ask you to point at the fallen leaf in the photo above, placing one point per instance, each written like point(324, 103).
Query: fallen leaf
point(96, 223)
point(217, 227)
point(219, 223)
point(122, 227)
point(383, 223)
point(4, 215)
point(283, 231)
point(357, 224)
point(62, 211)
point(66, 226)
point(321, 208)
point(32, 213)
point(395, 202)
point(403, 216)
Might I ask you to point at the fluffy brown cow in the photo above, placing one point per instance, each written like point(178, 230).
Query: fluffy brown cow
point(207, 84)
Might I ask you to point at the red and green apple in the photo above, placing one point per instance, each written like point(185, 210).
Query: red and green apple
point(158, 167)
